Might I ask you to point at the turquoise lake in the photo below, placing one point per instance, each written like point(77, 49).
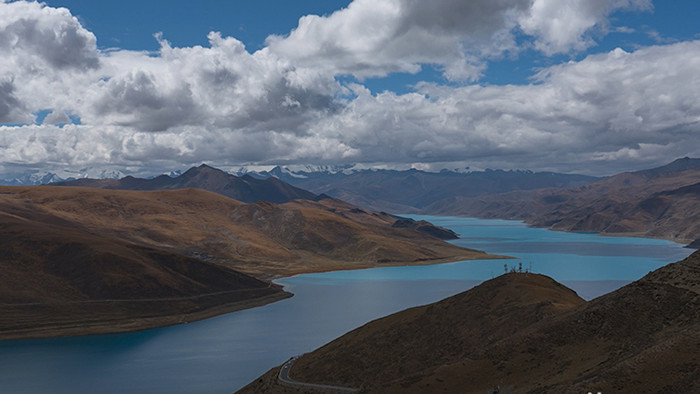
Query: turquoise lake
point(221, 354)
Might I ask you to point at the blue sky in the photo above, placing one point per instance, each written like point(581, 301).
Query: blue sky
point(591, 86)
point(131, 24)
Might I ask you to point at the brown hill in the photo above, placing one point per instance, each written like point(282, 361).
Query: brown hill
point(60, 279)
point(245, 188)
point(526, 334)
point(63, 248)
point(663, 202)
point(260, 238)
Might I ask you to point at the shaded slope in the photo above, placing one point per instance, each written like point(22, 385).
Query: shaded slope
point(426, 337)
point(61, 279)
point(245, 188)
point(526, 334)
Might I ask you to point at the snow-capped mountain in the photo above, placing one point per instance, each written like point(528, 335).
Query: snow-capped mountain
point(45, 177)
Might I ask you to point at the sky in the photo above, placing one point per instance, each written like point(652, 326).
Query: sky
point(579, 86)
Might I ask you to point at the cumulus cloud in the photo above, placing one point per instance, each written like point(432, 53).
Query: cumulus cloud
point(370, 38)
point(9, 105)
point(283, 104)
point(49, 35)
point(48, 57)
point(562, 26)
point(637, 106)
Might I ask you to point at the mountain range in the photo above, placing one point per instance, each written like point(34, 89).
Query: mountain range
point(661, 202)
point(410, 191)
point(522, 333)
point(30, 178)
point(245, 188)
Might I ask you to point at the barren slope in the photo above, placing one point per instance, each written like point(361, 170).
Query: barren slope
point(526, 334)
point(59, 279)
point(260, 238)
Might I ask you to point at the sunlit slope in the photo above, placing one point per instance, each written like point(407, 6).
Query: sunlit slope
point(260, 238)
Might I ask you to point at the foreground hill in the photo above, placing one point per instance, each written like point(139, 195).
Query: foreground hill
point(662, 202)
point(245, 188)
point(524, 333)
point(79, 259)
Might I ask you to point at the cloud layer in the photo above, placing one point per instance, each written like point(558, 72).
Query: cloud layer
point(284, 104)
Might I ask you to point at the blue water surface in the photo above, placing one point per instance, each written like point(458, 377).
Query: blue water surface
point(222, 354)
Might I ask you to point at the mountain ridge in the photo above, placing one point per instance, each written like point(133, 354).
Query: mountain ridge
point(409, 191)
point(245, 188)
point(661, 202)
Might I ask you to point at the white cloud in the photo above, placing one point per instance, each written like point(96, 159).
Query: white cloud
point(600, 106)
point(374, 38)
point(282, 104)
point(562, 26)
point(11, 109)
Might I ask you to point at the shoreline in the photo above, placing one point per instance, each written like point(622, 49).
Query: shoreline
point(108, 325)
point(120, 325)
point(332, 268)
point(636, 234)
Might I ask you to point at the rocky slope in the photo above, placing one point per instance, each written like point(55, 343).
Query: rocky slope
point(524, 333)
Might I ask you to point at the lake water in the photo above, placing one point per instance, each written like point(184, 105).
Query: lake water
point(221, 354)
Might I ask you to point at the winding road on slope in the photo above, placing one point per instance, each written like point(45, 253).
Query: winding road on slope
point(284, 379)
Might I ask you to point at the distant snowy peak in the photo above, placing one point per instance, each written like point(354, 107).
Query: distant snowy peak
point(95, 173)
point(39, 178)
point(45, 177)
point(304, 171)
point(328, 169)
